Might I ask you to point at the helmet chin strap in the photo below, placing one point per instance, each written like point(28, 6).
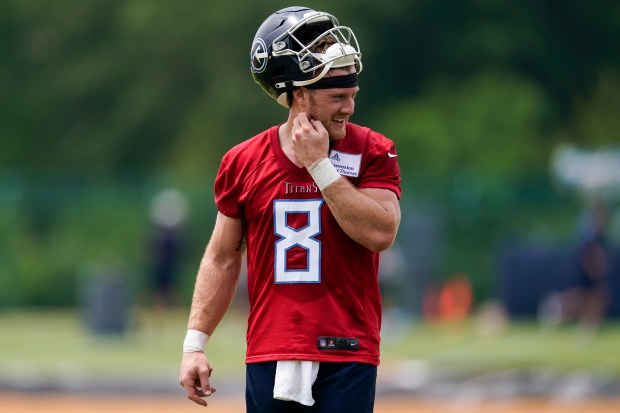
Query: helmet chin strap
point(283, 98)
point(302, 83)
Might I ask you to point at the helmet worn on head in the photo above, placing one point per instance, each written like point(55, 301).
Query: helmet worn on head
point(284, 56)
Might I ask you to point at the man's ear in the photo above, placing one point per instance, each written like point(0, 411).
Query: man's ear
point(300, 95)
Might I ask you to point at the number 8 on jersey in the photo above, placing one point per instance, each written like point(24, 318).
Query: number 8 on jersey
point(302, 237)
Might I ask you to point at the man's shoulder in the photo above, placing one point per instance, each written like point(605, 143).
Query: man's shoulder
point(261, 138)
point(353, 129)
point(251, 147)
point(371, 138)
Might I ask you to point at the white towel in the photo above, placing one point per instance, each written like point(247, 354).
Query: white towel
point(294, 380)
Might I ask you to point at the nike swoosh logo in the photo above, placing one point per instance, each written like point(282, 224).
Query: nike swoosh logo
point(392, 155)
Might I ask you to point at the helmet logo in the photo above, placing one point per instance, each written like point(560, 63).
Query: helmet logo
point(258, 56)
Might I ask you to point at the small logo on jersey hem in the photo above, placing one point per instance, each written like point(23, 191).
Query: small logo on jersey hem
point(392, 155)
point(338, 343)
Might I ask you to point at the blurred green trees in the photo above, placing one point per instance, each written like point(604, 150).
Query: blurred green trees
point(103, 102)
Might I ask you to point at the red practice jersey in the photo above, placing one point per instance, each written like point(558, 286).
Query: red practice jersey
point(306, 278)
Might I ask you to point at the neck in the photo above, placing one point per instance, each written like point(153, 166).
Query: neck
point(285, 137)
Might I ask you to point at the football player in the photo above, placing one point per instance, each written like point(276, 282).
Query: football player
point(312, 202)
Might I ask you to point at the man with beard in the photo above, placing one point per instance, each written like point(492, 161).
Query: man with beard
point(312, 201)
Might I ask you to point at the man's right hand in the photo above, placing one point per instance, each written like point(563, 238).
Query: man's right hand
point(310, 140)
point(195, 374)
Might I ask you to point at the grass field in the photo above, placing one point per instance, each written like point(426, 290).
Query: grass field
point(42, 348)
point(51, 345)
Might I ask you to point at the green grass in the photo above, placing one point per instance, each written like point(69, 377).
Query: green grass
point(51, 342)
point(521, 345)
point(47, 343)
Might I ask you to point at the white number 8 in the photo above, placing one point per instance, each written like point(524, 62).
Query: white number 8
point(302, 237)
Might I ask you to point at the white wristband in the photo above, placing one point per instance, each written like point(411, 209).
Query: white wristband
point(195, 341)
point(324, 173)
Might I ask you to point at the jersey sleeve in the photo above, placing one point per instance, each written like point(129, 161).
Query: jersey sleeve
point(227, 188)
point(381, 169)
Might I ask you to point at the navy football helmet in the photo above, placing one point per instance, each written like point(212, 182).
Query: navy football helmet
point(281, 57)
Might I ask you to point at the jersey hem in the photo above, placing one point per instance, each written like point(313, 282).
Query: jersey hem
point(332, 359)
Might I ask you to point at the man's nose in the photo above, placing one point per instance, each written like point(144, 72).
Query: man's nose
point(348, 106)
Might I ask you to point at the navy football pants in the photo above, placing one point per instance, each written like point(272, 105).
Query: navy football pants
point(338, 386)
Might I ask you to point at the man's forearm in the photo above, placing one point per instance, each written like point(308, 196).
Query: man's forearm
point(214, 291)
point(370, 222)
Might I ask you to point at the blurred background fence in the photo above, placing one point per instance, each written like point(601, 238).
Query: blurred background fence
point(63, 234)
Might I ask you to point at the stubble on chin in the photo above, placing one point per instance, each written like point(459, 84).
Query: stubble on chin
point(337, 135)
